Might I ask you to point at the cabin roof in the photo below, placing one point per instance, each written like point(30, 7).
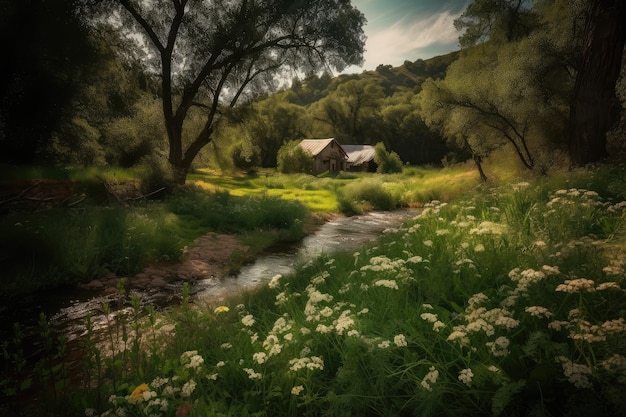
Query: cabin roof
point(315, 146)
point(359, 154)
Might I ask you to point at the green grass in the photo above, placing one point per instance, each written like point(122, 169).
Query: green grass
point(63, 246)
point(505, 300)
point(67, 245)
point(10, 172)
point(347, 192)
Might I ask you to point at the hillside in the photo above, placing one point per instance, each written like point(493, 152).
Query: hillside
point(407, 77)
point(410, 75)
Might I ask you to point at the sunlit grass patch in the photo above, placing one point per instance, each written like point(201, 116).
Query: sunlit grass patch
point(316, 200)
point(352, 192)
point(444, 185)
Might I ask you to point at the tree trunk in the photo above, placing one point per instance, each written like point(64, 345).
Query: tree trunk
point(180, 173)
point(179, 167)
point(478, 160)
point(591, 114)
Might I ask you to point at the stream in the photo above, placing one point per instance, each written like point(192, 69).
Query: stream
point(67, 309)
point(342, 234)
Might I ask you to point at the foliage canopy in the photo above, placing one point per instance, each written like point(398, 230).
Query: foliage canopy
point(210, 55)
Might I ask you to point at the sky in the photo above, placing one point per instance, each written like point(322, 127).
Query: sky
point(400, 30)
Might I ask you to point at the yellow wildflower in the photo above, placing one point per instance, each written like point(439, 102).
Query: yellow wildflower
point(222, 309)
point(137, 394)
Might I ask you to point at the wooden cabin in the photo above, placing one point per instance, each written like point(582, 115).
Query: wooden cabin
point(328, 155)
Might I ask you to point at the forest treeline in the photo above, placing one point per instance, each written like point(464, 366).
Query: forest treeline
point(77, 94)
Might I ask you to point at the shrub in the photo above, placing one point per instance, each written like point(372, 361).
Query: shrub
point(246, 157)
point(372, 192)
point(292, 159)
point(156, 174)
point(388, 162)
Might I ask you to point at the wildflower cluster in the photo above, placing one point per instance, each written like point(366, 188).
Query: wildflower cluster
point(162, 396)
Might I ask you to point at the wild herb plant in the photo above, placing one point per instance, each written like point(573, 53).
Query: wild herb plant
point(36, 379)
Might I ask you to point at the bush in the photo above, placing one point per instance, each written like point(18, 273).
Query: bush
point(292, 159)
point(388, 162)
point(224, 212)
point(156, 174)
point(246, 157)
point(371, 192)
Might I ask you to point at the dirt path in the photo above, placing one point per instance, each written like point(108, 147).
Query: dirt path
point(207, 258)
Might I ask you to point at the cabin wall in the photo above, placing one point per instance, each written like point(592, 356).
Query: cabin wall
point(330, 159)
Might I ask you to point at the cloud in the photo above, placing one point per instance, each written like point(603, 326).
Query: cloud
point(400, 41)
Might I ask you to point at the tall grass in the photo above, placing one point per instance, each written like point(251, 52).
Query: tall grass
point(63, 246)
point(507, 301)
point(60, 246)
point(56, 247)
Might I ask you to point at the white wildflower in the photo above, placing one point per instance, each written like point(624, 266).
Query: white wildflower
point(388, 283)
point(188, 388)
point(465, 376)
point(259, 357)
point(275, 281)
point(400, 341)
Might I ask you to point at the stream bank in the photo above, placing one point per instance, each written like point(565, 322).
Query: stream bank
point(204, 269)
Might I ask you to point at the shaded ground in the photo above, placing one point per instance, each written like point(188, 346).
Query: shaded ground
point(208, 258)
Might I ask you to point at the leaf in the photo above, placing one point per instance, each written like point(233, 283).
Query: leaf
point(26, 384)
point(533, 343)
point(457, 308)
point(503, 396)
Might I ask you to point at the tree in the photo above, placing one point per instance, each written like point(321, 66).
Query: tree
point(46, 51)
point(492, 95)
point(210, 54)
point(352, 110)
point(273, 122)
point(494, 20)
point(513, 92)
point(593, 101)
point(115, 117)
point(403, 130)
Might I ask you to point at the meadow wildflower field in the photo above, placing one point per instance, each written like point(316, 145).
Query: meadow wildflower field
point(507, 301)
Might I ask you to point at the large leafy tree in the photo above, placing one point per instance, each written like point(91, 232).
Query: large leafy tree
point(46, 53)
point(495, 20)
point(274, 122)
point(211, 54)
point(352, 111)
point(404, 131)
point(511, 90)
point(593, 105)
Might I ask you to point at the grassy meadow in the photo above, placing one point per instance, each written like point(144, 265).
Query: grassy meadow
point(63, 245)
point(504, 300)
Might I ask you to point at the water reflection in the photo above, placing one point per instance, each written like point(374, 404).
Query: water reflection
point(342, 234)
